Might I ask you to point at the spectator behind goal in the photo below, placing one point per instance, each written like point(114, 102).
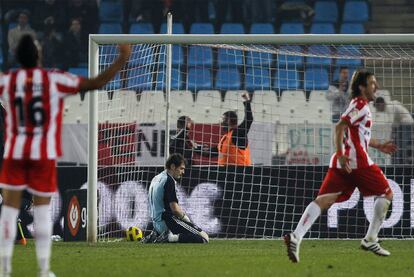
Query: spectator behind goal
point(33, 99)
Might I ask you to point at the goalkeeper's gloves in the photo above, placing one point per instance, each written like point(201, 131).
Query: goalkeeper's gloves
point(185, 218)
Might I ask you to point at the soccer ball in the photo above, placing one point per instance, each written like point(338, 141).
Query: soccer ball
point(133, 234)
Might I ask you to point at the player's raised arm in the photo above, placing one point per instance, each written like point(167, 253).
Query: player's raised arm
point(103, 78)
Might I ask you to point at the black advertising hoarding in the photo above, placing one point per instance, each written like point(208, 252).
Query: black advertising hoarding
point(75, 215)
point(248, 202)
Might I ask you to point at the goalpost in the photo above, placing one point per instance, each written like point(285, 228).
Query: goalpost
point(288, 78)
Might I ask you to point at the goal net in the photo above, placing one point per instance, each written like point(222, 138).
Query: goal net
point(297, 91)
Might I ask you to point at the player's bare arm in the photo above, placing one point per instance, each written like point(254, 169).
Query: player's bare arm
point(103, 78)
point(387, 147)
point(339, 135)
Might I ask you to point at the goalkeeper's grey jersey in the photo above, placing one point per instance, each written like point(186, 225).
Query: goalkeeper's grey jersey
point(161, 194)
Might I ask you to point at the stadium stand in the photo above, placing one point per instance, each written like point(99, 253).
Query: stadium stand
point(322, 28)
point(208, 106)
point(151, 107)
point(352, 28)
point(316, 79)
point(286, 79)
point(264, 105)
point(202, 28)
point(111, 11)
point(356, 11)
point(262, 28)
point(325, 11)
point(141, 28)
point(200, 56)
point(257, 78)
point(199, 79)
point(110, 28)
point(228, 78)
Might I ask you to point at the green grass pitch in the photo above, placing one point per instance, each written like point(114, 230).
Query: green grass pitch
point(219, 258)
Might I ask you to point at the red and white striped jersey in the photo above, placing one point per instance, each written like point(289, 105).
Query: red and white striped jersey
point(357, 135)
point(33, 99)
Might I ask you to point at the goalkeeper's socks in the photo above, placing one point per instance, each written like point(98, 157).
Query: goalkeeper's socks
point(312, 212)
point(8, 230)
point(43, 229)
point(381, 205)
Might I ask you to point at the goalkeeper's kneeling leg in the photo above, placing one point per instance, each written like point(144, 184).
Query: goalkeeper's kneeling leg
point(187, 232)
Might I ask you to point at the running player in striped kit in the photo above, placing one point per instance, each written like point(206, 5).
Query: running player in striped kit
point(33, 98)
point(351, 167)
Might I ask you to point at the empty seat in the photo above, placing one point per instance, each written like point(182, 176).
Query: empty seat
point(286, 79)
point(181, 104)
point(113, 84)
point(208, 106)
point(202, 28)
point(356, 11)
point(262, 28)
point(120, 108)
point(176, 79)
point(259, 58)
point(228, 78)
point(199, 79)
point(141, 28)
point(140, 78)
point(128, 106)
point(264, 104)
point(291, 107)
point(177, 55)
point(318, 109)
point(316, 79)
point(290, 57)
point(74, 110)
point(110, 28)
point(352, 28)
point(200, 56)
point(111, 12)
point(142, 54)
point(323, 52)
point(151, 107)
point(257, 79)
point(229, 57)
point(325, 11)
point(232, 28)
point(349, 52)
point(80, 71)
point(292, 28)
point(177, 28)
point(107, 54)
point(322, 28)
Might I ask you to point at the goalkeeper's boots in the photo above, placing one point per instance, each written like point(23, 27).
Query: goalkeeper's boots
point(292, 244)
point(163, 238)
point(150, 238)
point(374, 247)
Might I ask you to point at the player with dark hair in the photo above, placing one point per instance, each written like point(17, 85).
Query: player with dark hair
point(351, 167)
point(33, 98)
point(170, 222)
point(182, 143)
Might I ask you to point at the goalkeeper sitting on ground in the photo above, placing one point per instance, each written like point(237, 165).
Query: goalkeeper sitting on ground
point(170, 222)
